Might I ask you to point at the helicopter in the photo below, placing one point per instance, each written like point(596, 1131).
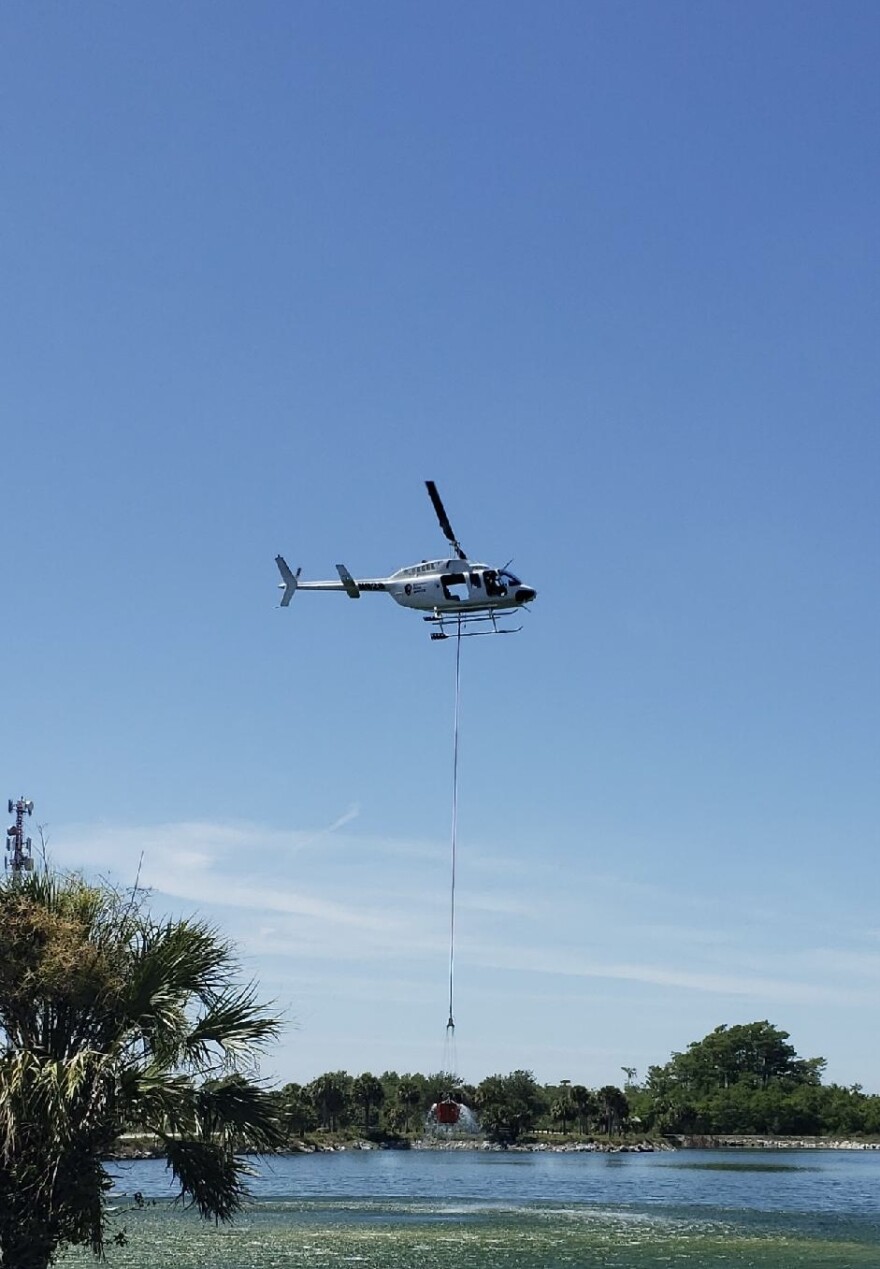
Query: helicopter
point(454, 595)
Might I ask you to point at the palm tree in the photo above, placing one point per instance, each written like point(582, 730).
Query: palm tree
point(297, 1110)
point(331, 1094)
point(560, 1109)
point(368, 1093)
point(585, 1105)
point(614, 1107)
point(110, 1020)
point(408, 1099)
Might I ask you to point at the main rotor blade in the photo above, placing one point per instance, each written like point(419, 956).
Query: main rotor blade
point(444, 519)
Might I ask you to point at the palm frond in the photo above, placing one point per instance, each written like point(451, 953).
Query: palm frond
point(187, 956)
point(209, 1175)
point(239, 1114)
point(235, 1024)
point(159, 1101)
point(69, 1096)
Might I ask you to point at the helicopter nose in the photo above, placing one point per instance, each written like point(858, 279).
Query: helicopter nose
point(525, 595)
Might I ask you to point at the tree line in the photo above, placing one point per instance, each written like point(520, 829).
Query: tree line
point(392, 1105)
point(738, 1080)
point(749, 1079)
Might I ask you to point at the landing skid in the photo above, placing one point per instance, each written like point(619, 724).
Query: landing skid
point(454, 624)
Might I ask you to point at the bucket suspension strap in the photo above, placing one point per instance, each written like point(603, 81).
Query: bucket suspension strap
point(450, 1025)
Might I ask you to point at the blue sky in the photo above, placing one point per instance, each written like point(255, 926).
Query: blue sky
point(608, 274)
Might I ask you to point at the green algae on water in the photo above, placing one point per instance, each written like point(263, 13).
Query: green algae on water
point(413, 1234)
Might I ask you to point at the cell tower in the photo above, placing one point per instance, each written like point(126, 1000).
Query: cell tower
point(18, 847)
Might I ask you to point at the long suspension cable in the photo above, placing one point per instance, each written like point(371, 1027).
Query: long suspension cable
point(450, 1025)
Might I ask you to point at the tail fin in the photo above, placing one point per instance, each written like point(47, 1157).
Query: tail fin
point(351, 587)
point(288, 583)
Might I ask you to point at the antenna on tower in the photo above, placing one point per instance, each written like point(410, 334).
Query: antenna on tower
point(18, 847)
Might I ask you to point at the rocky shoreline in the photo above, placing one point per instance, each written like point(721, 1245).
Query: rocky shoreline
point(603, 1147)
point(579, 1147)
point(531, 1147)
point(139, 1148)
point(730, 1142)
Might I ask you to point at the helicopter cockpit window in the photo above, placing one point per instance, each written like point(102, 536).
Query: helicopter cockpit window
point(508, 579)
point(475, 580)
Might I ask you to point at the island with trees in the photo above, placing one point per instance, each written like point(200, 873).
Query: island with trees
point(739, 1081)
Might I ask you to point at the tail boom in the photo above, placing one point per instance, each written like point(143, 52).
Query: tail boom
point(352, 587)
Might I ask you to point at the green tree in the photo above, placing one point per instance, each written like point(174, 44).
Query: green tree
point(509, 1105)
point(331, 1095)
point(871, 1114)
point(110, 1019)
point(367, 1093)
point(586, 1106)
point(560, 1112)
point(390, 1081)
point(613, 1108)
point(298, 1114)
point(744, 1078)
point(755, 1052)
point(409, 1100)
point(640, 1105)
point(561, 1109)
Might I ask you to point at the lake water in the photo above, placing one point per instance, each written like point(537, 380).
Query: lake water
point(482, 1210)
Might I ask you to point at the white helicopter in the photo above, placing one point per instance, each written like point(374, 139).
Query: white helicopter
point(455, 594)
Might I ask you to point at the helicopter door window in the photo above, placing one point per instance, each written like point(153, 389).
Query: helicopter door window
point(495, 587)
point(454, 586)
point(475, 581)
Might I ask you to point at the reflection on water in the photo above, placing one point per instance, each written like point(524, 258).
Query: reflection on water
point(439, 1211)
point(731, 1165)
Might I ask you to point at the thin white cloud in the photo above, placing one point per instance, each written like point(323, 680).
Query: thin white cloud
point(839, 963)
point(352, 906)
point(351, 814)
point(204, 864)
point(753, 986)
point(503, 905)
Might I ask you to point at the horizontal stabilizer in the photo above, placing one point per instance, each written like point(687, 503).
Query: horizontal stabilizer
point(289, 580)
point(351, 586)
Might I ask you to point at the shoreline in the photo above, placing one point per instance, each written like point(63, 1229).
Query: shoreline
point(140, 1148)
point(733, 1141)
